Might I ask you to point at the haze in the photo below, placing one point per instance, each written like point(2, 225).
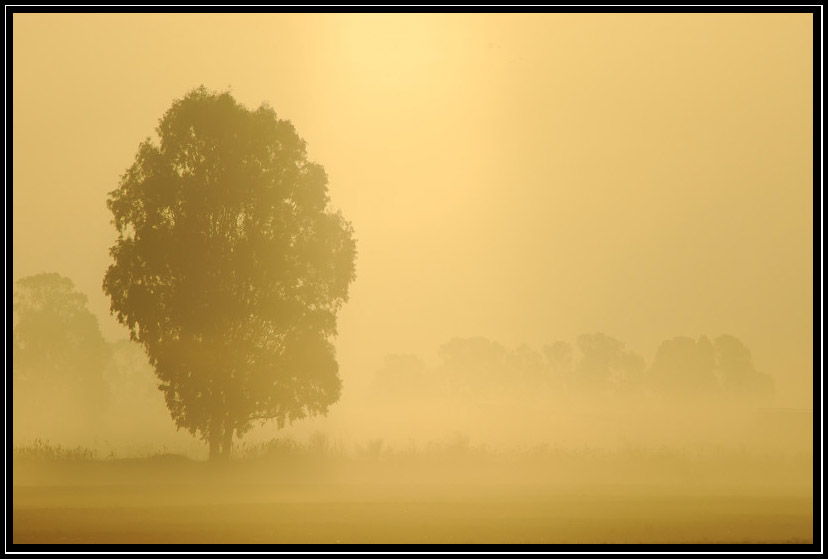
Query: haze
point(520, 179)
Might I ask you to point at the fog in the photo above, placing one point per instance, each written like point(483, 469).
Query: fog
point(479, 395)
point(582, 266)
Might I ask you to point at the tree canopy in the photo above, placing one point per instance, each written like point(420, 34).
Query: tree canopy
point(229, 267)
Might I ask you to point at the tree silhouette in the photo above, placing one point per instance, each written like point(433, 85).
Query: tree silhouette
point(229, 268)
point(559, 357)
point(606, 363)
point(58, 353)
point(737, 373)
point(481, 368)
point(558, 360)
point(688, 368)
point(685, 367)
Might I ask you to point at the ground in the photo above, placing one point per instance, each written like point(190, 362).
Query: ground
point(192, 502)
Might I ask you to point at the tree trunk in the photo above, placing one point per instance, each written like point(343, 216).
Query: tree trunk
point(227, 444)
point(215, 438)
point(215, 447)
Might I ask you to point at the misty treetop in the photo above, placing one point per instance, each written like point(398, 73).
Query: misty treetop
point(229, 268)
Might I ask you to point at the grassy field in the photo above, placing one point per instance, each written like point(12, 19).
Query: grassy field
point(415, 514)
point(300, 495)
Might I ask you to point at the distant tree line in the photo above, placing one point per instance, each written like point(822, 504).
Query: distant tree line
point(480, 368)
point(63, 367)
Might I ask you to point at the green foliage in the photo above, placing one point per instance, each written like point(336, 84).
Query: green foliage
point(229, 269)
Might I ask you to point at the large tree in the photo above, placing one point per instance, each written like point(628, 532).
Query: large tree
point(229, 268)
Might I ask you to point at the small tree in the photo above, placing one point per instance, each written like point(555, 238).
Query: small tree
point(229, 269)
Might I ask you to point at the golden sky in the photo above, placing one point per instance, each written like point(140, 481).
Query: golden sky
point(522, 177)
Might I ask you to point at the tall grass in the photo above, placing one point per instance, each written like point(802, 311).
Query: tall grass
point(45, 451)
point(452, 460)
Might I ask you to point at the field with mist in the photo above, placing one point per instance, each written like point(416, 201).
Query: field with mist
point(434, 468)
